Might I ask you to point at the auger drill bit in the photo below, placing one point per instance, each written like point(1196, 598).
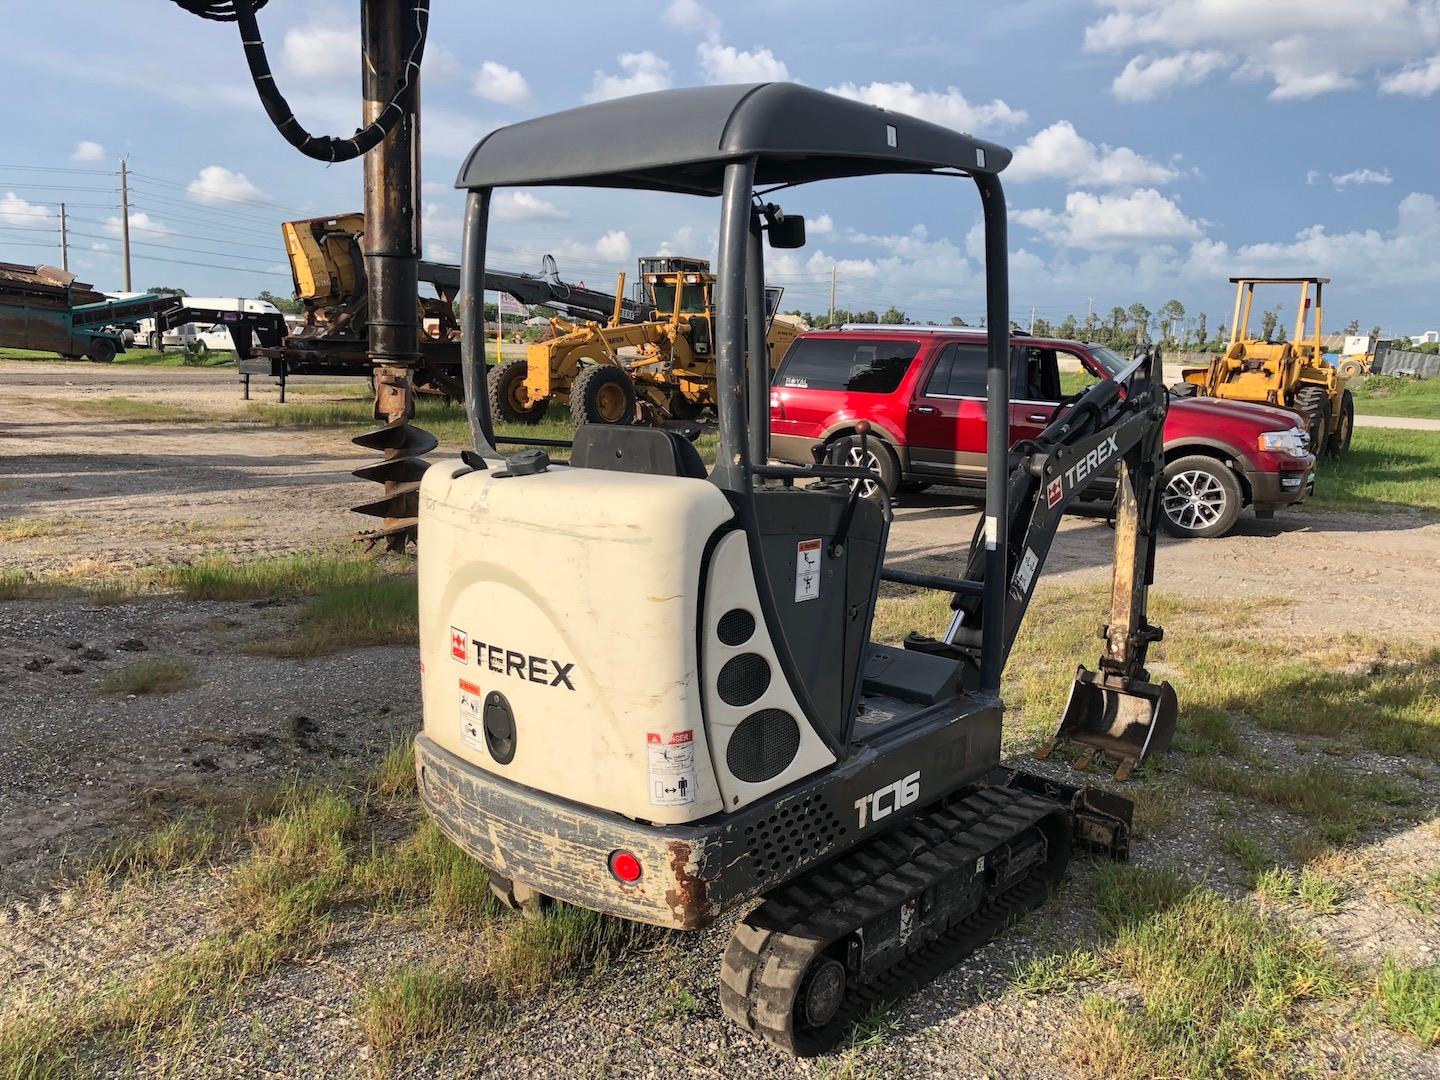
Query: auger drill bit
point(400, 471)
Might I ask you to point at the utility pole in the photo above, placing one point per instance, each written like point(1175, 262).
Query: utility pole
point(1089, 309)
point(1032, 320)
point(392, 253)
point(125, 221)
point(64, 241)
point(832, 294)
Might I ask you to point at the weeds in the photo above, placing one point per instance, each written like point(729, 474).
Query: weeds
point(566, 942)
point(1420, 892)
point(181, 844)
point(36, 527)
point(221, 578)
point(1410, 1000)
point(428, 869)
point(395, 775)
point(155, 675)
point(1341, 804)
point(1322, 895)
point(380, 611)
point(417, 1005)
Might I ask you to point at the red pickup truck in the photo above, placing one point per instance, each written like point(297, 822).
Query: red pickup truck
point(923, 391)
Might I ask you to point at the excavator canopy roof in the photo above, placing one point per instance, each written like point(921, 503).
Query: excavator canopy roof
point(1280, 280)
point(681, 141)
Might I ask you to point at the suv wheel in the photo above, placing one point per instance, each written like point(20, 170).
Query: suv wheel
point(1201, 499)
point(876, 456)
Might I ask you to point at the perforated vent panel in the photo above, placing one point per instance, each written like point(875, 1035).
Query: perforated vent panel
point(736, 626)
point(801, 830)
point(763, 745)
point(743, 679)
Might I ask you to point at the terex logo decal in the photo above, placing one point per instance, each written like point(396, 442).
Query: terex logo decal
point(902, 792)
point(1054, 492)
point(1093, 459)
point(519, 665)
point(459, 649)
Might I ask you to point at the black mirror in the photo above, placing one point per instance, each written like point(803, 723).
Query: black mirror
point(787, 231)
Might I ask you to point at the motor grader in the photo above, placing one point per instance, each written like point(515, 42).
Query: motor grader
point(731, 731)
point(1292, 374)
point(658, 370)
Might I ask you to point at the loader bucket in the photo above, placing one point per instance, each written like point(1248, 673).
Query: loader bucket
point(1113, 717)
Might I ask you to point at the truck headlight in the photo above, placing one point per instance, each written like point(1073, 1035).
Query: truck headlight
point(1294, 441)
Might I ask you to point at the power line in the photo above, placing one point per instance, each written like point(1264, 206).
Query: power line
point(217, 195)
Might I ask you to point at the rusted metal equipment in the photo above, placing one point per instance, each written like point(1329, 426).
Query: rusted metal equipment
point(47, 309)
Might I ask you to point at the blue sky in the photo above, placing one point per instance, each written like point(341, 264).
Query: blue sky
point(1161, 145)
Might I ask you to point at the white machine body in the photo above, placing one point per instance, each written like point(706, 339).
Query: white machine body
point(590, 600)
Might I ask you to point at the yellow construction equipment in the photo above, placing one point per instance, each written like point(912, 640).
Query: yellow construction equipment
point(627, 372)
point(1292, 374)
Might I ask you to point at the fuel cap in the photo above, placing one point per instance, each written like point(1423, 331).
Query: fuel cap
point(527, 463)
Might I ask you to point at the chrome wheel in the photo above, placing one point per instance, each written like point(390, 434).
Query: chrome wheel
point(1194, 500)
point(863, 459)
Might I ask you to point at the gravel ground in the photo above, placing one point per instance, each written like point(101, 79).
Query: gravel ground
point(79, 769)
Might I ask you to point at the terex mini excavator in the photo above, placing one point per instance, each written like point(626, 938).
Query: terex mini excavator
point(729, 730)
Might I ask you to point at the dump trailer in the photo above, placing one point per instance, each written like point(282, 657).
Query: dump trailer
point(656, 370)
point(1292, 374)
point(650, 689)
point(47, 309)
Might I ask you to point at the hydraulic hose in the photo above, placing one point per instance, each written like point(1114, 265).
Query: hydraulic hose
point(321, 147)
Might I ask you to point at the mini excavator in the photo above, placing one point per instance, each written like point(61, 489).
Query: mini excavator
point(650, 687)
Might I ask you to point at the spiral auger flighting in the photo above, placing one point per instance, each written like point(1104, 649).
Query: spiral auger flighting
point(404, 446)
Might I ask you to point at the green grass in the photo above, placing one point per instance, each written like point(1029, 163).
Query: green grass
point(224, 578)
point(427, 871)
point(125, 408)
point(381, 611)
point(173, 356)
point(417, 1005)
point(1339, 802)
point(1410, 1000)
point(1385, 467)
point(1421, 892)
point(395, 775)
point(180, 844)
point(153, 675)
point(1389, 395)
point(34, 528)
point(1220, 986)
point(565, 943)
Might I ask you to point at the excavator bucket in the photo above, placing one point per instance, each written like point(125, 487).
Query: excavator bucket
point(1115, 717)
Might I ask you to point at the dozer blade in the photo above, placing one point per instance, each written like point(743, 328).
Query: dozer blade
point(401, 435)
point(1113, 717)
point(403, 501)
point(401, 470)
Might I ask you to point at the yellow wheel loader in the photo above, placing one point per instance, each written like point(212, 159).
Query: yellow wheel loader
point(730, 731)
point(621, 372)
point(1292, 374)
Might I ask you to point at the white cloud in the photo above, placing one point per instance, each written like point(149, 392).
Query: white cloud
point(726, 64)
point(500, 84)
point(948, 107)
point(1312, 175)
point(1419, 80)
point(1362, 176)
point(1303, 49)
point(1059, 152)
point(614, 245)
point(691, 15)
point(523, 206)
point(1098, 220)
point(440, 253)
point(641, 73)
point(323, 49)
point(1145, 78)
point(140, 222)
point(85, 150)
point(819, 225)
point(16, 211)
point(217, 184)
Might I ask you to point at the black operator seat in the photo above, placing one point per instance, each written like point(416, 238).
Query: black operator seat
point(652, 451)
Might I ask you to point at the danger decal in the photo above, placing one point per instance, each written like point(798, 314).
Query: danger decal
point(672, 767)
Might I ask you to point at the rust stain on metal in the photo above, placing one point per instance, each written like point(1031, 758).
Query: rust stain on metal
point(687, 900)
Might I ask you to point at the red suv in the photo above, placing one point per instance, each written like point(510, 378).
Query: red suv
point(923, 391)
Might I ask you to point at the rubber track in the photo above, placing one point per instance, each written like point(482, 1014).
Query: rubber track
point(773, 947)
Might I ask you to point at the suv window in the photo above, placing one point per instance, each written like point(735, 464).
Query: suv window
point(960, 372)
point(863, 367)
point(1036, 376)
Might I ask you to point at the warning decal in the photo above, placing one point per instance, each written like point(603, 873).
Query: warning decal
point(472, 715)
point(807, 570)
point(459, 646)
point(1025, 572)
point(672, 768)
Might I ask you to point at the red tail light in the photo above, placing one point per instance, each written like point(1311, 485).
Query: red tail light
point(625, 866)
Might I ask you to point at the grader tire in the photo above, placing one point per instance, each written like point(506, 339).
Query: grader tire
point(507, 395)
point(1313, 403)
point(602, 394)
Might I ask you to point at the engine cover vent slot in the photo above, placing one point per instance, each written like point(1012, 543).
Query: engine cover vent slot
point(763, 745)
point(799, 830)
point(743, 679)
point(736, 627)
